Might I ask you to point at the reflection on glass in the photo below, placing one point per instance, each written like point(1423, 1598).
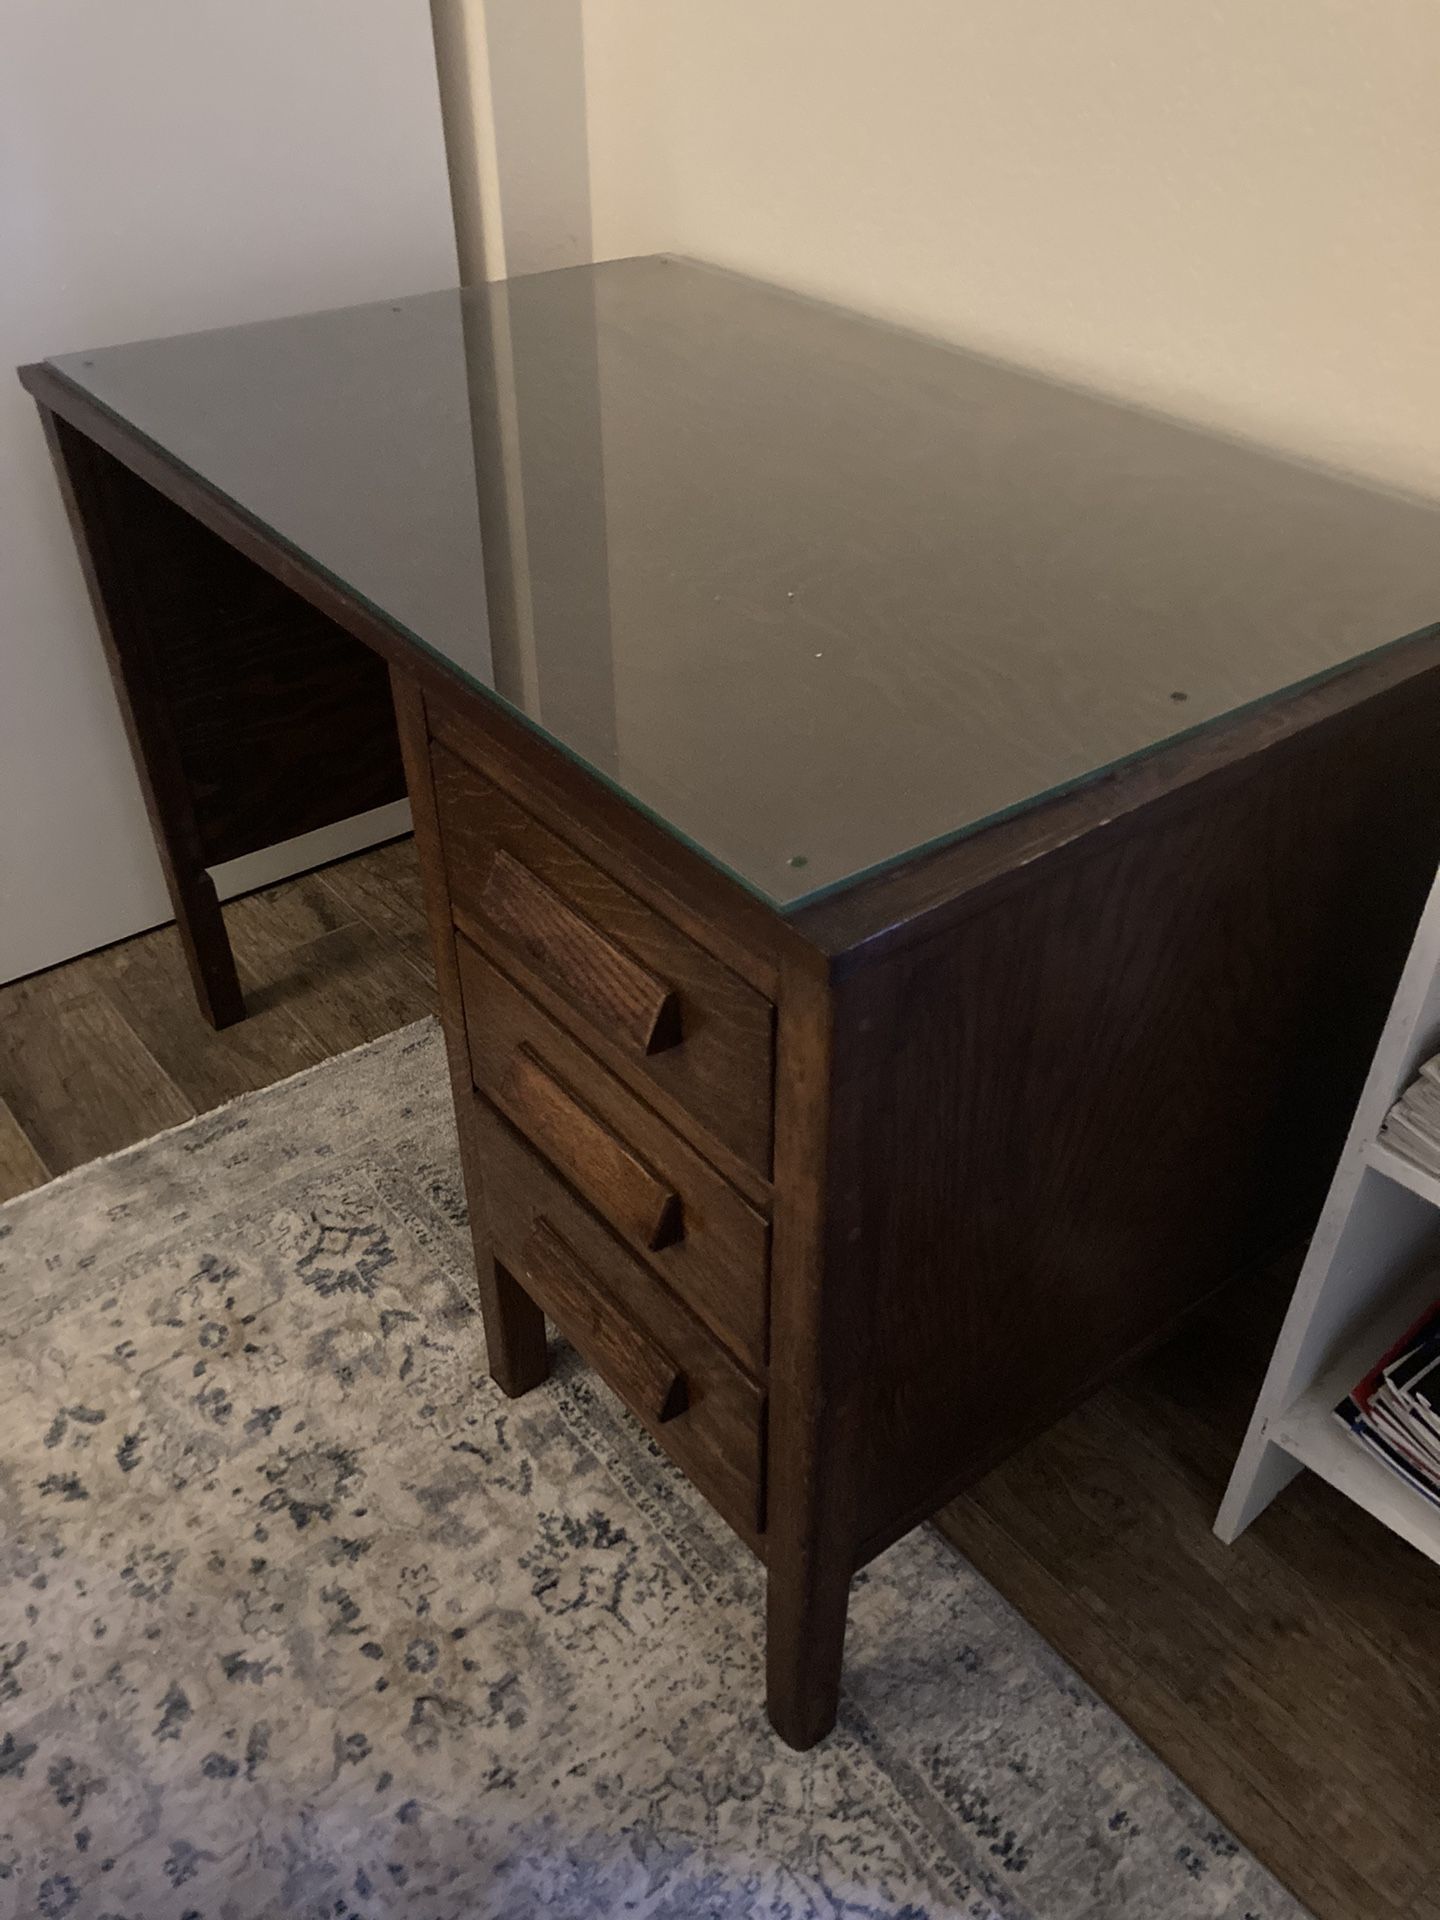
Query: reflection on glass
point(813, 592)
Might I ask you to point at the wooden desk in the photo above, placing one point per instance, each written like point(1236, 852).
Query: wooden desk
point(917, 857)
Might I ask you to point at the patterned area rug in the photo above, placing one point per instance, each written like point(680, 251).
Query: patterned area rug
point(300, 1617)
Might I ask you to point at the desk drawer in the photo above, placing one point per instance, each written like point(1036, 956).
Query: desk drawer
point(657, 1008)
point(680, 1383)
point(672, 1209)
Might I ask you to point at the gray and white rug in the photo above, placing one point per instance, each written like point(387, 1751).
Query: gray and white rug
point(300, 1617)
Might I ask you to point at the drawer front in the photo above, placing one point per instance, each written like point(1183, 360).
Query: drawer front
point(652, 1189)
point(635, 989)
point(674, 1376)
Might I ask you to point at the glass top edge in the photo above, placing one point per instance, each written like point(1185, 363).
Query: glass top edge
point(786, 906)
point(1116, 770)
point(463, 681)
point(1001, 571)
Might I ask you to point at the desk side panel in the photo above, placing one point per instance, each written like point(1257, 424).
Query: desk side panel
point(1067, 1120)
point(280, 721)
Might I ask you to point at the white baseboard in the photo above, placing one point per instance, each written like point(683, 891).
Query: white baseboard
point(307, 850)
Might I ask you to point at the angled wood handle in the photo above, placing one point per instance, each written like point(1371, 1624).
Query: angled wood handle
point(583, 964)
point(588, 1154)
point(639, 1369)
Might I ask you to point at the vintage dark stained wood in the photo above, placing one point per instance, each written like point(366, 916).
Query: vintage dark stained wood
point(733, 925)
point(957, 1109)
point(718, 1259)
point(514, 1326)
point(564, 947)
point(1025, 1101)
point(608, 1172)
point(617, 1347)
point(816, 1443)
point(717, 1069)
point(81, 469)
point(281, 723)
point(1116, 1086)
point(718, 1438)
point(252, 716)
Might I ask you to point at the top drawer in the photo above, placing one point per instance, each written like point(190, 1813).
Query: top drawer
point(640, 993)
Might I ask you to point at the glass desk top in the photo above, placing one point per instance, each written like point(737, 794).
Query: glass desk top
point(813, 592)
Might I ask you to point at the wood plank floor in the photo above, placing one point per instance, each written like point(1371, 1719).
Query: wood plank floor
point(108, 1048)
point(1291, 1680)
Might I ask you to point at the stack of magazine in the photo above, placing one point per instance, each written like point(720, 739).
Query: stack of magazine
point(1412, 1126)
point(1395, 1410)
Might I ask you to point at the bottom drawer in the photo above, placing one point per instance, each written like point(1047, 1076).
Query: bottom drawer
point(704, 1410)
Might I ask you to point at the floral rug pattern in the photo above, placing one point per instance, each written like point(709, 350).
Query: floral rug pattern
point(299, 1616)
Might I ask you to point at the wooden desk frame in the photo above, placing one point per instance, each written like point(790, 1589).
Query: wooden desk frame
point(1036, 1093)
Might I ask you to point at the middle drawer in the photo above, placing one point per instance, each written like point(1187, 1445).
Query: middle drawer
point(651, 1188)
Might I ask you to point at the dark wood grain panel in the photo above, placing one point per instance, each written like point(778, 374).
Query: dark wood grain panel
point(620, 996)
point(516, 1352)
point(591, 1156)
point(817, 1433)
point(719, 1071)
point(719, 1438)
point(252, 716)
point(717, 1261)
point(718, 915)
point(94, 498)
point(620, 1350)
point(282, 722)
point(1117, 1087)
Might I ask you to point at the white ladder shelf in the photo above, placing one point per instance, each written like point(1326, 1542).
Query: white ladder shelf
point(1365, 1279)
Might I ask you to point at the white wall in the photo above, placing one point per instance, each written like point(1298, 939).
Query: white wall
point(1229, 210)
point(167, 165)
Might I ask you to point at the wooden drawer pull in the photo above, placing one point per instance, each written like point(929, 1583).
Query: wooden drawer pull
point(589, 1155)
point(618, 993)
point(570, 1295)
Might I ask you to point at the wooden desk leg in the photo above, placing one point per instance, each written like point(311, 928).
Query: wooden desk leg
point(810, 1545)
point(807, 1599)
point(514, 1330)
point(516, 1350)
point(204, 937)
point(514, 1326)
point(810, 1450)
point(96, 521)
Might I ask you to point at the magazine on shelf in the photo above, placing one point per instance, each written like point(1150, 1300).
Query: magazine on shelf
point(1416, 1375)
point(1412, 1126)
point(1395, 1410)
point(1386, 1454)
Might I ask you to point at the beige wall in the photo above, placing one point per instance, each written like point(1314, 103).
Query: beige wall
point(1230, 210)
